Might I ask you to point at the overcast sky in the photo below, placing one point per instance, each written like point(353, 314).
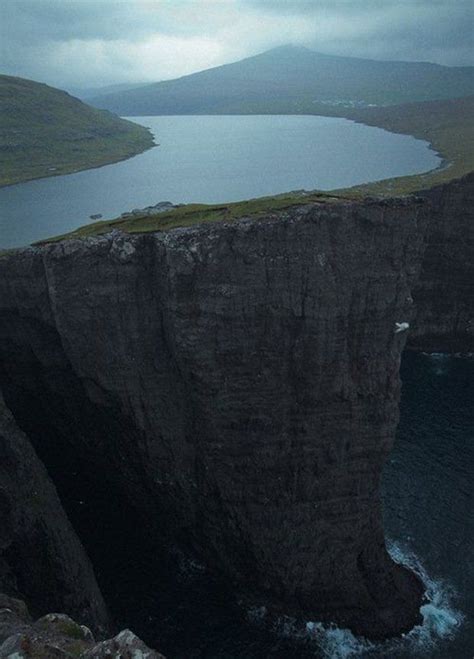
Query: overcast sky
point(88, 43)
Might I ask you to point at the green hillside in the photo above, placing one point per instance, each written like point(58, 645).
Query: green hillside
point(293, 80)
point(45, 132)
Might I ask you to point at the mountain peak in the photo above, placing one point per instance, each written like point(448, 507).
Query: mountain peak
point(290, 48)
point(292, 78)
point(287, 50)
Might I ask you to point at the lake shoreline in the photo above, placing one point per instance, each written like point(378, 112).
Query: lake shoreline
point(86, 168)
point(214, 160)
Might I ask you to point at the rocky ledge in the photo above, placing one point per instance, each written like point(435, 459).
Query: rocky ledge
point(238, 383)
point(58, 635)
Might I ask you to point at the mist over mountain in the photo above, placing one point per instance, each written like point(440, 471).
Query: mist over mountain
point(292, 79)
point(85, 93)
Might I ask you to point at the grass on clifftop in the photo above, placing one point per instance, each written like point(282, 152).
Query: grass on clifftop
point(194, 214)
point(46, 132)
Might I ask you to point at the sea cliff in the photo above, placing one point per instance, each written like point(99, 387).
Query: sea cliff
point(237, 383)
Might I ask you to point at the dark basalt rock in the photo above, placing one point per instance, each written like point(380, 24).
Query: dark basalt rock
point(445, 292)
point(239, 383)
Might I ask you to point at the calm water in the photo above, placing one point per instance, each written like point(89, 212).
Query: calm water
point(213, 159)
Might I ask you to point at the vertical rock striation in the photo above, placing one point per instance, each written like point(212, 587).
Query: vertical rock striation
point(239, 383)
point(444, 296)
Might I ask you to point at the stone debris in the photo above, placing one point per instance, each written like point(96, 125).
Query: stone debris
point(125, 645)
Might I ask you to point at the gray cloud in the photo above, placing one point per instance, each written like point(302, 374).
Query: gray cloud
point(97, 42)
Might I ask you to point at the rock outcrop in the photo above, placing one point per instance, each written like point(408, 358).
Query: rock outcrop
point(41, 558)
point(58, 635)
point(240, 383)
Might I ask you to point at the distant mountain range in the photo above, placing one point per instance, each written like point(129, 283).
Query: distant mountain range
point(292, 79)
point(44, 131)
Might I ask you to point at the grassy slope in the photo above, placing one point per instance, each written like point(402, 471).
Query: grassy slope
point(45, 132)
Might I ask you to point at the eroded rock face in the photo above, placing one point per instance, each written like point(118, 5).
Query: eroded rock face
point(444, 294)
point(41, 558)
point(240, 383)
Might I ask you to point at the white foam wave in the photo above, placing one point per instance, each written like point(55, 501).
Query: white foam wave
point(441, 620)
point(336, 643)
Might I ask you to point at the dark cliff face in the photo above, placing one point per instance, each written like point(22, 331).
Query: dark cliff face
point(238, 386)
point(41, 557)
point(444, 295)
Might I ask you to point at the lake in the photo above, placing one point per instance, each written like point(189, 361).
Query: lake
point(212, 159)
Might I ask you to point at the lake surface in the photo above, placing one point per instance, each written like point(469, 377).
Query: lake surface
point(213, 159)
